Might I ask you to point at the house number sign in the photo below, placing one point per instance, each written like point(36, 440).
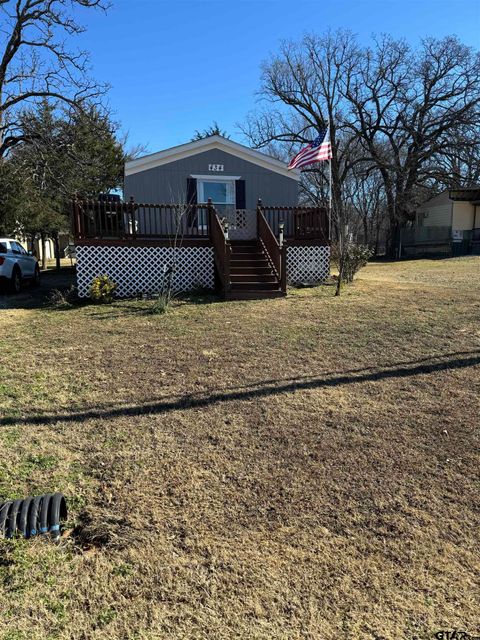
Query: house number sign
point(215, 167)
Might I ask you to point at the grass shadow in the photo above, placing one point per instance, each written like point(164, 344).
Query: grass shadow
point(260, 389)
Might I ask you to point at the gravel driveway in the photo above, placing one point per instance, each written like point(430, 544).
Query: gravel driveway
point(31, 297)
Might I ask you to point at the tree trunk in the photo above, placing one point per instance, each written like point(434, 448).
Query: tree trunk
point(340, 275)
point(377, 240)
point(342, 252)
point(366, 232)
point(32, 243)
point(57, 250)
point(44, 250)
point(393, 236)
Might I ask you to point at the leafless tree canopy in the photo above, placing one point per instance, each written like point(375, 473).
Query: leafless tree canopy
point(404, 121)
point(36, 61)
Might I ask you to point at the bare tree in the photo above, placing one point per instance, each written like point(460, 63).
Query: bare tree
point(458, 165)
point(35, 62)
point(365, 198)
point(407, 106)
point(302, 92)
point(407, 116)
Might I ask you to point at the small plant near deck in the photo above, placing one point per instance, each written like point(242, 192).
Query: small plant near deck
point(160, 304)
point(59, 299)
point(102, 289)
point(164, 297)
point(356, 257)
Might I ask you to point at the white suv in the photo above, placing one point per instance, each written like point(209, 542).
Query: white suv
point(16, 265)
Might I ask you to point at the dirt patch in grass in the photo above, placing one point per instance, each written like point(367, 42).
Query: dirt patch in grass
point(295, 468)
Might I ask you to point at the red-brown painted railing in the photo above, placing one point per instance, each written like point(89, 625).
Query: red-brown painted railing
point(221, 248)
point(94, 219)
point(300, 223)
point(275, 253)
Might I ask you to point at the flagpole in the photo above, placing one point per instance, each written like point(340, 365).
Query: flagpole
point(330, 199)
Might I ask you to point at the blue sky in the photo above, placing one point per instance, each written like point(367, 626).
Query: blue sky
point(177, 65)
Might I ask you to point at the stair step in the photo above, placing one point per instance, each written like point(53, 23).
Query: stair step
point(255, 285)
point(255, 261)
point(251, 274)
point(248, 268)
point(254, 295)
point(257, 278)
point(247, 255)
point(246, 247)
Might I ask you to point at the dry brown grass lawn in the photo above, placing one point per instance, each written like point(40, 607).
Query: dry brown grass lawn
point(296, 468)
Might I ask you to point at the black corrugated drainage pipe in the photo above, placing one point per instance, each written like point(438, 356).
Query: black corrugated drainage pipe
point(33, 516)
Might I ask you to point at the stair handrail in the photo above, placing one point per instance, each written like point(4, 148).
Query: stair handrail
point(275, 253)
point(221, 247)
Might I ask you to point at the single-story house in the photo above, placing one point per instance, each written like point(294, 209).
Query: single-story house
point(448, 222)
point(232, 175)
point(225, 215)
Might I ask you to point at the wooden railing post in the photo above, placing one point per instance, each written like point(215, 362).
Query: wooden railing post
point(281, 230)
point(259, 211)
point(131, 213)
point(221, 248)
point(283, 268)
point(76, 220)
point(210, 212)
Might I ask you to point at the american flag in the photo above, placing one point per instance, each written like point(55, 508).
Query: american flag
point(317, 151)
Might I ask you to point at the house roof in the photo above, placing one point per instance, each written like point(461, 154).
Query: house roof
point(465, 194)
point(469, 194)
point(206, 144)
point(440, 198)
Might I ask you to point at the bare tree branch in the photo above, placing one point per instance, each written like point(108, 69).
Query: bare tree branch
point(35, 62)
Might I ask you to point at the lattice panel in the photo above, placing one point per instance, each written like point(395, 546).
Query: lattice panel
point(307, 265)
point(138, 270)
point(243, 224)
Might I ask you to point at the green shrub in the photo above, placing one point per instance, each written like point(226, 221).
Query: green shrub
point(161, 303)
point(356, 257)
point(102, 289)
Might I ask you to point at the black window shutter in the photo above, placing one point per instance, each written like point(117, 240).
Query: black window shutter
point(191, 191)
point(191, 199)
point(240, 194)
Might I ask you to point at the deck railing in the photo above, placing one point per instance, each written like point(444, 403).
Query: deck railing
point(93, 219)
point(300, 223)
point(221, 248)
point(275, 253)
point(104, 220)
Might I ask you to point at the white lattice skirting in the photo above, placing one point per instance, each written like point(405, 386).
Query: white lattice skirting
point(307, 265)
point(138, 270)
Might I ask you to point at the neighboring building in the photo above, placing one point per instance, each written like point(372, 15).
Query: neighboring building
point(454, 208)
point(207, 193)
point(36, 246)
point(448, 223)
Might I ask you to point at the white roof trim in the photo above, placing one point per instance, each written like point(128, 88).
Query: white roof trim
point(215, 177)
point(206, 144)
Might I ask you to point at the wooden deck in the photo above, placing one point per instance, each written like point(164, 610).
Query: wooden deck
point(249, 246)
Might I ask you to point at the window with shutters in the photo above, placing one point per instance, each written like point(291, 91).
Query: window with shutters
point(222, 192)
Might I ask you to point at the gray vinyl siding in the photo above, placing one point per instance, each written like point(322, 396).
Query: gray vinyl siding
point(168, 183)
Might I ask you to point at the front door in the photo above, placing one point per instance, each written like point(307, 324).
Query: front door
point(242, 222)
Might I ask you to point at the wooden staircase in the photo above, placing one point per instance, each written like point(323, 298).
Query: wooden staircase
point(248, 269)
point(251, 272)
